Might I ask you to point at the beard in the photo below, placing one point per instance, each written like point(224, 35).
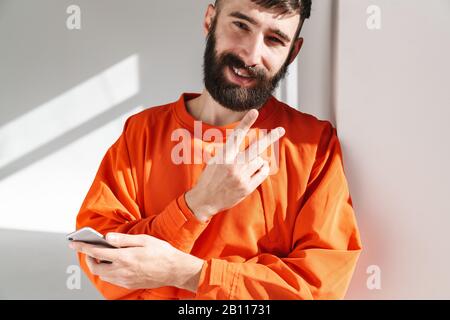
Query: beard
point(231, 95)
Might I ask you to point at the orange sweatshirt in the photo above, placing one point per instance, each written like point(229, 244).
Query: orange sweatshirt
point(294, 237)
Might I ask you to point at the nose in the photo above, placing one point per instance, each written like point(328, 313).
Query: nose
point(252, 49)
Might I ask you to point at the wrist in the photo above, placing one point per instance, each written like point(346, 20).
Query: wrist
point(188, 272)
point(202, 211)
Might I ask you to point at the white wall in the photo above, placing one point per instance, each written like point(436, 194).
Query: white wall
point(392, 111)
point(64, 96)
point(316, 61)
point(65, 93)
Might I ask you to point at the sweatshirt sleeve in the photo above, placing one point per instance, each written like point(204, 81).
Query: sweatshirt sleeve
point(325, 244)
point(111, 206)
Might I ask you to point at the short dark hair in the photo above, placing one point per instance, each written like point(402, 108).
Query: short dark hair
point(303, 7)
point(287, 6)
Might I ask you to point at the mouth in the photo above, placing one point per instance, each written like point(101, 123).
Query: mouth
point(240, 76)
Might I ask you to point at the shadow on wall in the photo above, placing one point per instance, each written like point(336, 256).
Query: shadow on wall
point(39, 265)
point(58, 86)
point(55, 93)
point(72, 115)
point(66, 93)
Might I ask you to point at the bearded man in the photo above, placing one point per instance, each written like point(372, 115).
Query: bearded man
point(267, 214)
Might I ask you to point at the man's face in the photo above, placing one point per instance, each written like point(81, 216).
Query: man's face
point(247, 54)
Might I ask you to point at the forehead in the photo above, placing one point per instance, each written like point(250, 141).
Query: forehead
point(267, 18)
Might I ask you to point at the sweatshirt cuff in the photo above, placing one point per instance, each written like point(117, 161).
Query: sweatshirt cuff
point(218, 279)
point(187, 212)
point(182, 225)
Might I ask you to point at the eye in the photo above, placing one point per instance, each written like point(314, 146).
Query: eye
point(241, 25)
point(276, 40)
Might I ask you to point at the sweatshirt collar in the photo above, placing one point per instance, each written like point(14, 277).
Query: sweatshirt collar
point(187, 120)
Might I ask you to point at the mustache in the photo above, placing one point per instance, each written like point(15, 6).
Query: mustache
point(233, 60)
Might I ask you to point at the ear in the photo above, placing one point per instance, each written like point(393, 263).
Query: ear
point(209, 17)
point(297, 47)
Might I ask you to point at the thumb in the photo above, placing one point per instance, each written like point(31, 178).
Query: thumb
point(121, 240)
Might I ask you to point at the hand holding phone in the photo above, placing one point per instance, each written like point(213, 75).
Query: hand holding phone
point(91, 236)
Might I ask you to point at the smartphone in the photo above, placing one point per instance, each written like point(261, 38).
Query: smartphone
point(90, 236)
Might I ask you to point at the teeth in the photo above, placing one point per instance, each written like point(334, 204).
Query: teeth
point(238, 72)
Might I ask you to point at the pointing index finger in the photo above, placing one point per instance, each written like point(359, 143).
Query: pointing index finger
point(248, 120)
point(260, 146)
point(235, 139)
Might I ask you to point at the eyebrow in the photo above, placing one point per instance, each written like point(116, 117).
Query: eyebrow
point(242, 16)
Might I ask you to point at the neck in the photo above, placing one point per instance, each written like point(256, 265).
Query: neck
point(204, 108)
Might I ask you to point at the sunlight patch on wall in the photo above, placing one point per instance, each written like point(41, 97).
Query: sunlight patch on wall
point(47, 194)
point(67, 111)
